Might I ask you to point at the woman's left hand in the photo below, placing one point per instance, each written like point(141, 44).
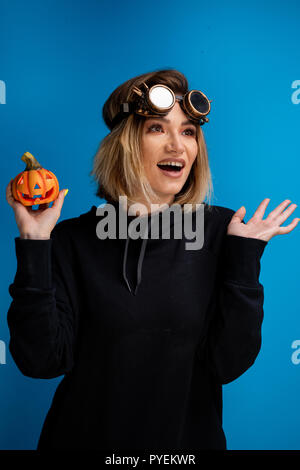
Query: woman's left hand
point(263, 229)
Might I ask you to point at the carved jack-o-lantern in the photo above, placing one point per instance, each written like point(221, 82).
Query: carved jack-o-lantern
point(35, 185)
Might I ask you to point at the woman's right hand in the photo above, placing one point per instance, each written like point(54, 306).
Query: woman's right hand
point(38, 223)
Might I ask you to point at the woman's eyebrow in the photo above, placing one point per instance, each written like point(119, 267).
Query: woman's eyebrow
point(168, 121)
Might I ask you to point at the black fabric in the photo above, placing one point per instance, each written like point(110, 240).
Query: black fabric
point(144, 341)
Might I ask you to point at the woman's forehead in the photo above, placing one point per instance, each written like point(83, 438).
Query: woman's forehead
point(166, 120)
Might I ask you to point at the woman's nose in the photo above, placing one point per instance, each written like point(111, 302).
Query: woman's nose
point(174, 144)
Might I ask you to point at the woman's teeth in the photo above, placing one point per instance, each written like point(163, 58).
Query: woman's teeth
point(170, 166)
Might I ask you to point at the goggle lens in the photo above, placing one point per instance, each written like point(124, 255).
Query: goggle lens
point(161, 97)
point(199, 102)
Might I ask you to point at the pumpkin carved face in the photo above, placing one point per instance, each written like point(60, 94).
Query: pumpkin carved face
point(35, 185)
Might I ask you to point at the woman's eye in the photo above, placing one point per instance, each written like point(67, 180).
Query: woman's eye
point(192, 132)
point(154, 125)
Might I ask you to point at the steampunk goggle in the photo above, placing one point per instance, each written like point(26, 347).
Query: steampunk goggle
point(159, 99)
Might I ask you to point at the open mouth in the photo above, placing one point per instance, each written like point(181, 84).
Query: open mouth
point(171, 169)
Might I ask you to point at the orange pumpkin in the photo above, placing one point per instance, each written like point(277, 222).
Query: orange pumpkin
point(35, 185)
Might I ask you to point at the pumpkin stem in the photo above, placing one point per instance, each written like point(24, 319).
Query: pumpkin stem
point(31, 162)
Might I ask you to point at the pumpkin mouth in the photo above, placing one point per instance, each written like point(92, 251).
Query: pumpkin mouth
point(29, 198)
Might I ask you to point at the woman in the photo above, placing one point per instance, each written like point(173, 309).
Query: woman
point(144, 331)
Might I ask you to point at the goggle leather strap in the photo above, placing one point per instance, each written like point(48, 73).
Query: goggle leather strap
point(125, 110)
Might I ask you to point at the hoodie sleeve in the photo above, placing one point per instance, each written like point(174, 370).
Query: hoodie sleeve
point(234, 334)
point(43, 314)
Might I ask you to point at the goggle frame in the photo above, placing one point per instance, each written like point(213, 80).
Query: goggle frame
point(144, 106)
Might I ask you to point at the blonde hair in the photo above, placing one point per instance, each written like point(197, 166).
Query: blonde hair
point(118, 167)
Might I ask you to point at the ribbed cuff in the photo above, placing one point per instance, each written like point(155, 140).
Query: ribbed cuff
point(242, 259)
point(33, 263)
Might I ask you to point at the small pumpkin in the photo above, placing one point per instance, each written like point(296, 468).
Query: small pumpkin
point(35, 185)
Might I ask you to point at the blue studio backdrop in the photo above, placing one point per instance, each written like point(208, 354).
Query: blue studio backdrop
point(60, 60)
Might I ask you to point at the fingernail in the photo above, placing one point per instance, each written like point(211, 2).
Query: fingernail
point(66, 192)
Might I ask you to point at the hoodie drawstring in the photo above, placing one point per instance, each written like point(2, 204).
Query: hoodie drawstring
point(139, 265)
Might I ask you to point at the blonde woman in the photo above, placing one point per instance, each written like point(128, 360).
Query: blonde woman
point(144, 331)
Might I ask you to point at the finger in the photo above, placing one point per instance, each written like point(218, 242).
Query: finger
point(278, 210)
point(239, 214)
point(9, 196)
point(282, 217)
point(260, 211)
point(288, 228)
point(58, 202)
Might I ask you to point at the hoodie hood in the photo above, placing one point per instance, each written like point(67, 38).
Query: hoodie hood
point(149, 220)
point(143, 224)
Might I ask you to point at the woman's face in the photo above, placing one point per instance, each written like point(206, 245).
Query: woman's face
point(168, 138)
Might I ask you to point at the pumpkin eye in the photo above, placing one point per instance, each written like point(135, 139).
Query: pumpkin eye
point(36, 186)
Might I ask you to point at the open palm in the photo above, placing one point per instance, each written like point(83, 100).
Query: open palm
point(263, 229)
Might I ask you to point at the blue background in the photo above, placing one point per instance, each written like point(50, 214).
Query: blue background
point(60, 60)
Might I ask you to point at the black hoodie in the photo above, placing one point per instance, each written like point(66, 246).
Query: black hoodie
point(144, 331)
